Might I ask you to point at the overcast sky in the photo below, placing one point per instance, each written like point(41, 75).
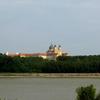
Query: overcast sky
point(32, 25)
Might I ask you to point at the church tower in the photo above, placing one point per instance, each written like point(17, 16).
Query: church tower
point(54, 51)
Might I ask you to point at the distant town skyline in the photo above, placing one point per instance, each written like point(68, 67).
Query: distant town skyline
point(32, 25)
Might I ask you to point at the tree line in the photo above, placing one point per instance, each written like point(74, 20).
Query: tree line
point(63, 64)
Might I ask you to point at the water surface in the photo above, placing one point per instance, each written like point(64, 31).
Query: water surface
point(43, 88)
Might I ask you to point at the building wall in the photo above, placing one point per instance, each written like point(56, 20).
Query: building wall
point(52, 53)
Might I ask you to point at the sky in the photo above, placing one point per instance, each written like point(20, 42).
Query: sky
point(32, 25)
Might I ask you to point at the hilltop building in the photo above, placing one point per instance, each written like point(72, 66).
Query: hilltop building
point(52, 53)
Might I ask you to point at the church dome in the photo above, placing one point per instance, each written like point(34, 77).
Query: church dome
point(51, 46)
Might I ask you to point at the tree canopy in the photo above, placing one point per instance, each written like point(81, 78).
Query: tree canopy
point(63, 64)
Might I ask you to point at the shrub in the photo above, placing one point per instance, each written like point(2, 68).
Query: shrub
point(86, 93)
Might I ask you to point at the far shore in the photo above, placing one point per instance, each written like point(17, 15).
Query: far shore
point(49, 75)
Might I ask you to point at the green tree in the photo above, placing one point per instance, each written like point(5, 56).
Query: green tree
point(86, 93)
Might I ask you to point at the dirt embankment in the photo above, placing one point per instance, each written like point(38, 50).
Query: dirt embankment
point(49, 75)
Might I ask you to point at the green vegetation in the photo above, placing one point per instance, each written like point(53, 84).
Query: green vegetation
point(64, 64)
point(87, 93)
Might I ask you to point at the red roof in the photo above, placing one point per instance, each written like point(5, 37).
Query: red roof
point(25, 54)
point(33, 54)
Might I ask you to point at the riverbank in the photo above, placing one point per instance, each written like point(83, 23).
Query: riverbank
point(49, 75)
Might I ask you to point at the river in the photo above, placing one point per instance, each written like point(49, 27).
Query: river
point(43, 88)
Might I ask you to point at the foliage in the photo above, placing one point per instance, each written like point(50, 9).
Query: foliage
point(86, 93)
point(63, 64)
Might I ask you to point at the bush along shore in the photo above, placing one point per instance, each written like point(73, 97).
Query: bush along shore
point(63, 64)
point(87, 93)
